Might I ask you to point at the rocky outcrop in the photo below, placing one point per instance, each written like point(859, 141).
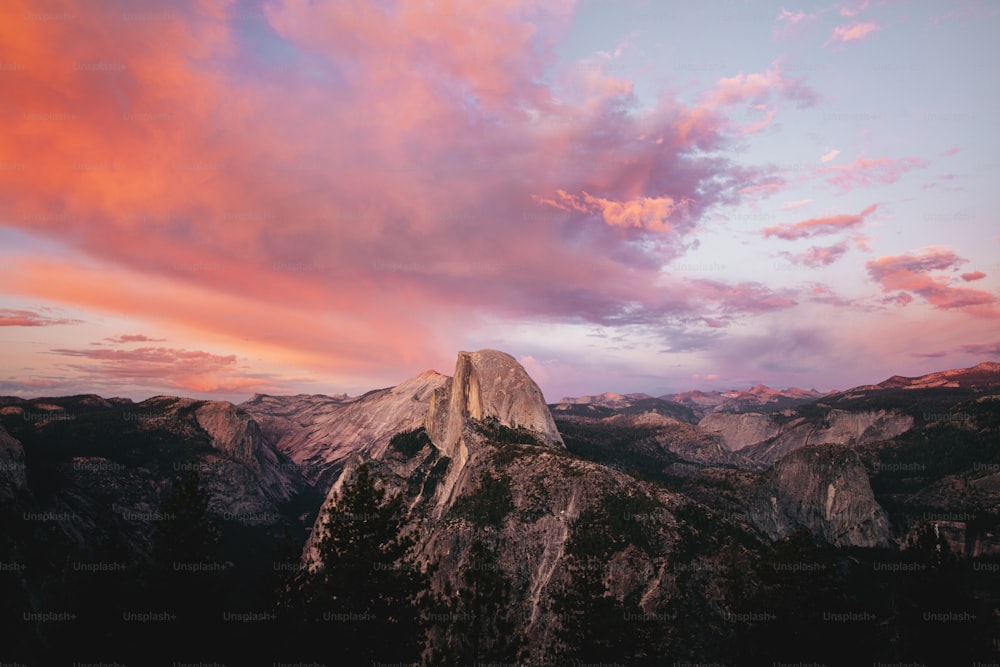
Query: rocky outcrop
point(12, 474)
point(489, 389)
point(765, 438)
point(319, 433)
point(826, 489)
point(246, 478)
point(556, 504)
point(760, 398)
point(740, 430)
point(236, 434)
point(487, 385)
point(823, 488)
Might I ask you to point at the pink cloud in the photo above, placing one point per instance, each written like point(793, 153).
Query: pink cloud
point(452, 139)
point(167, 368)
point(792, 205)
point(983, 349)
point(820, 293)
point(133, 338)
point(796, 17)
point(974, 275)
point(829, 155)
point(910, 273)
point(759, 88)
point(850, 33)
point(651, 213)
point(788, 23)
point(951, 151)
point(818, 256)
point(818, 226)
point(30, 318)
point(966, 11)
point(846, 10)
point(865, 172)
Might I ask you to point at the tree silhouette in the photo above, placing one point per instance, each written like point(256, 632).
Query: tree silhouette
point(363, 598)
point(482, 628)
point(185, 532)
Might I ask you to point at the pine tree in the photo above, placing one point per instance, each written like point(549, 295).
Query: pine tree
point(482, 629)
point(185, 533)
point(184, 577)
point(365, 593)
point(592, 623)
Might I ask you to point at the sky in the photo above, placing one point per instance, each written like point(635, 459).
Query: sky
point(213, 199)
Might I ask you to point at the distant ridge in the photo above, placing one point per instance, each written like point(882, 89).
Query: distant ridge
point(984, 375)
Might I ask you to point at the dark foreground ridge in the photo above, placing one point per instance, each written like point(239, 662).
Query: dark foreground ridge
point(459, 520)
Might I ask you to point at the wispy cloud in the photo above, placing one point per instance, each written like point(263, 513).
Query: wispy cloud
point(983, 349)
point(789, 23)
point(761, 87)
point(852, 32)
point(818, 226)
point(30, 318)
point(133, 338)
point(866, 172)
point(829, 155)
point(854, 10)
point(818, 256)
point(167, 368)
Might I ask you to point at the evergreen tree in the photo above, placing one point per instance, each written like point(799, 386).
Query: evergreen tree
point(482, 629)
point(594, 625)
point(363, 599)
point(184, 577)
point(185, 532)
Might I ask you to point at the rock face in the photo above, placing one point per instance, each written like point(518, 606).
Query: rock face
point(319, 433)
point(740, 430)
point(760, 398)
point(234, 432)
point(487, 385)
point(246, 477)
point(12, 474)
point(823, 488)
point(826, 489)
point(765, 438)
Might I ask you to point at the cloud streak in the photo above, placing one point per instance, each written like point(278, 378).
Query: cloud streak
point(29, 318)
point(867, 172)
point(852, 32)
point(818, 226)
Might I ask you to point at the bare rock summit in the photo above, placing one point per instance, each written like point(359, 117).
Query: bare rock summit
point(487, 385)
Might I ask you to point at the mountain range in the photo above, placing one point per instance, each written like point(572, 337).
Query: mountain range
point(616, 527)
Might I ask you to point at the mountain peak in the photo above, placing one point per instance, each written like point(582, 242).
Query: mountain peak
point(488, 384)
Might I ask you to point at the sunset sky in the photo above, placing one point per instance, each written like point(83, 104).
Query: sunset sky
point(217, 198)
